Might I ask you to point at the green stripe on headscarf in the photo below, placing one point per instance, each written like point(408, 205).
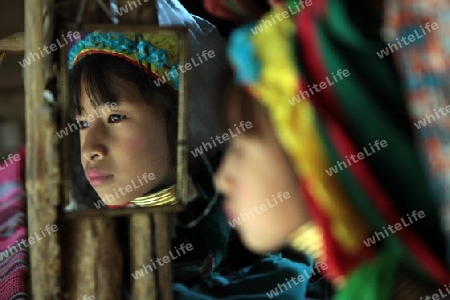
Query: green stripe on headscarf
point(374, 280)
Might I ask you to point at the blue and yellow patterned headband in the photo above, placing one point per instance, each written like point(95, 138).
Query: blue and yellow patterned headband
point(158, 55)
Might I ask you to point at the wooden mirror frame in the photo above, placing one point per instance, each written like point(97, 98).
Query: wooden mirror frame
point(181, 145)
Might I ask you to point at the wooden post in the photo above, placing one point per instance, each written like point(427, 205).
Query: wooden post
point(141, 253)
point(92, 259)
point(42, 180)
point(163, 243)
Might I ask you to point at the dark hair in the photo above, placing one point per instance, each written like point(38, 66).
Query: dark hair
point(99, 73)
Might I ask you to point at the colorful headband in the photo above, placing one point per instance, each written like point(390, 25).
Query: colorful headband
point(157, 54)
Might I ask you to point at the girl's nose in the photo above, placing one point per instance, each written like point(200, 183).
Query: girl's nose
point(93, 146)
point(223, 179)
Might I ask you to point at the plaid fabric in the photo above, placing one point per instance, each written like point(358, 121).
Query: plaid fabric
point(13, 259)
point(425, 68)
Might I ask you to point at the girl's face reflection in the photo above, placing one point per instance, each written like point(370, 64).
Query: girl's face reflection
point(124, 148)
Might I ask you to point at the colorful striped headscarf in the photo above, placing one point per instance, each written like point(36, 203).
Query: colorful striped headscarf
point(330, 97)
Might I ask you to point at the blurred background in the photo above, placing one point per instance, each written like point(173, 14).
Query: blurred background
point(12, 97)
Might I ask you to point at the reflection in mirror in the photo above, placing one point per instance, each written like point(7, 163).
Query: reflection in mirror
point(126, 118)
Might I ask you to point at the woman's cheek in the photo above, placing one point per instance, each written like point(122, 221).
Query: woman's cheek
point(249, 193)
point(134, 143)
point(133, 140)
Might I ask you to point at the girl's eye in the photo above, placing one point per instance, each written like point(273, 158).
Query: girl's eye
point(116, 118)
point(83, 124)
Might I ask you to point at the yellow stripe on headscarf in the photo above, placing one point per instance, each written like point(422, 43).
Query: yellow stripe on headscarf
point(296, 129)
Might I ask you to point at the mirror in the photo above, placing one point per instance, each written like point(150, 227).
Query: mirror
point(123, 127)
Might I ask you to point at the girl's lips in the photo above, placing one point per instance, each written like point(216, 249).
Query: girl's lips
point(98, 177)
point(99, 180)
point(228, 212)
